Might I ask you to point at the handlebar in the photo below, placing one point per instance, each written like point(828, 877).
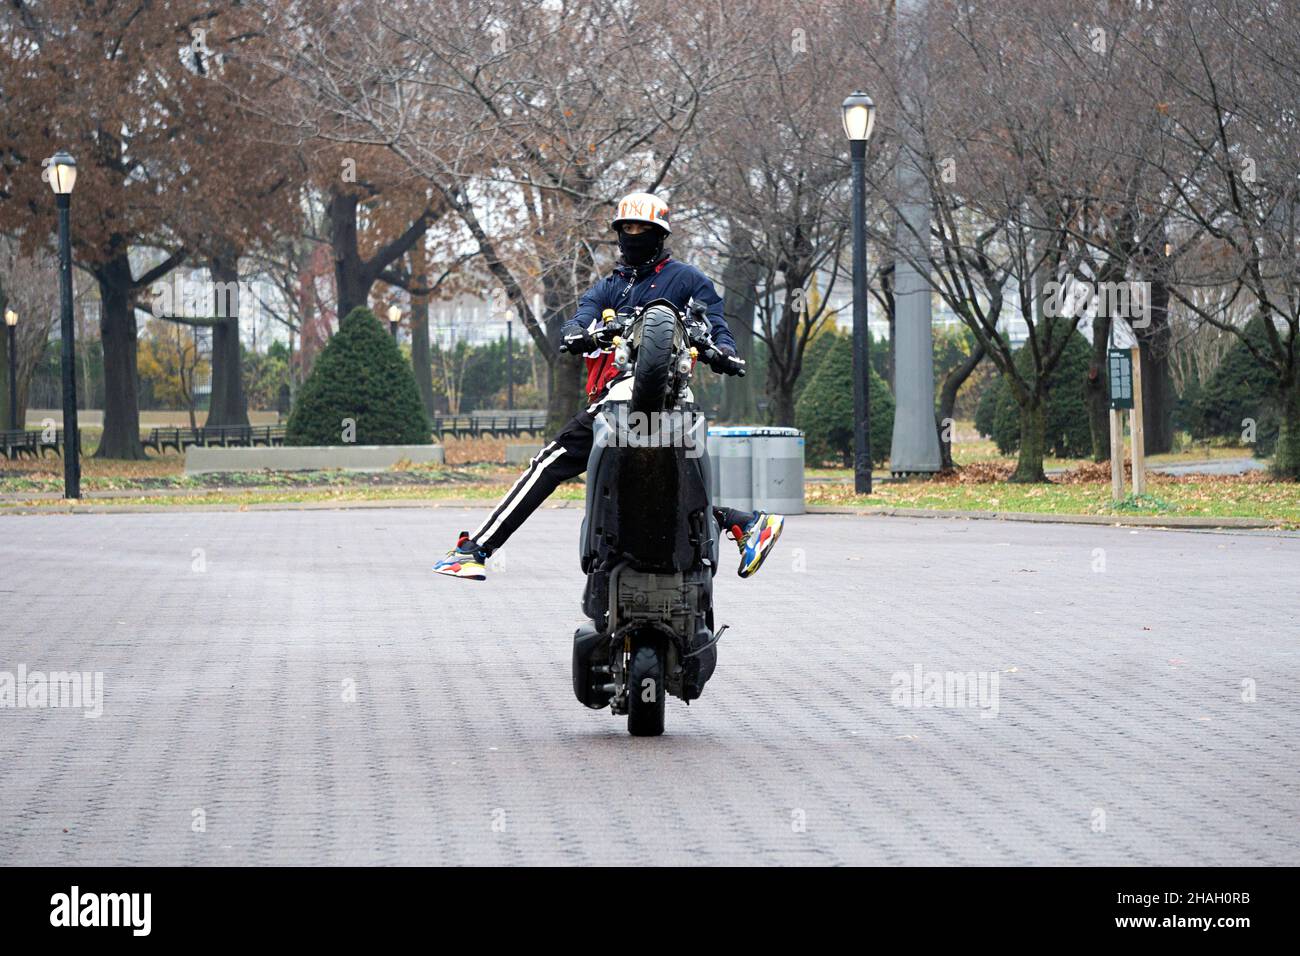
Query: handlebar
point(722, 363)
point(697, 336)
point(700, 337)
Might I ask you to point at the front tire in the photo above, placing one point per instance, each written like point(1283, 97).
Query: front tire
point(646, 694)
point(654, 361)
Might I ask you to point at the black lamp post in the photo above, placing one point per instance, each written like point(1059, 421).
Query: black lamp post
point(394, 316)
point(11, 329)
point(62, 173)
point(859, 114)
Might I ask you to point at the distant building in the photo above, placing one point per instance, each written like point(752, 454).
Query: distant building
point(469, 319)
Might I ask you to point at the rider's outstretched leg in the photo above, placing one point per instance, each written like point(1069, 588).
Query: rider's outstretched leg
point(755, 533)
point(563, 457)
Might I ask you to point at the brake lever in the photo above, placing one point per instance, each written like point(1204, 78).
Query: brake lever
point(722, 363)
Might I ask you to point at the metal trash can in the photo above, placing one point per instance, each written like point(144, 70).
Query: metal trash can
point(731, 462)
point(757, 468)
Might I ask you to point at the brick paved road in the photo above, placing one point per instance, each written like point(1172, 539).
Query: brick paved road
point(1119, 699)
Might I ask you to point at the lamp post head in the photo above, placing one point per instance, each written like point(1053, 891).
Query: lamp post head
point(859, 115)
point(61, 172)
point(11, 318)
point(394, 314)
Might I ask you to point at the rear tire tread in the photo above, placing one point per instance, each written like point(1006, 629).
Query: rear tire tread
point(645, 718)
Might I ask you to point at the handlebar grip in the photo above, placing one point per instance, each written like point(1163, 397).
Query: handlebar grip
point(718, 361)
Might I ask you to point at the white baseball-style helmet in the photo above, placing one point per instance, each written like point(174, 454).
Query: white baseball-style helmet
point(642, 207)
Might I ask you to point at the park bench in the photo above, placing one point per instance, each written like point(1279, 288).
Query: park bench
point(33, 442)
point(160, 439)
point(511, 424)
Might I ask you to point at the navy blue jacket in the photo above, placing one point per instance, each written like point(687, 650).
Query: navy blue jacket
point(672, 280)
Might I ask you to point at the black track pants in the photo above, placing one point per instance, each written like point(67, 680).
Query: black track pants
point(563, 457)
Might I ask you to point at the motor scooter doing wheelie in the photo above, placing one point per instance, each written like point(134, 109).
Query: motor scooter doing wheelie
point(649, 543)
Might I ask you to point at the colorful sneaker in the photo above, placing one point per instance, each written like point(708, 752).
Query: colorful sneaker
point(464, 562)
point(756, 540)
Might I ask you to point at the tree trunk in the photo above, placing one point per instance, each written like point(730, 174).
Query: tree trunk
point(5, 413)
point(117, 332)
point(21, 379)
point(780, 399)
point(1033, 442)
point(740, 297)
point(948, 399)
point(1096, 390)
point(785, 354)
point(420, 363)
point(228, 405)
point(31, 354)
point(566, 384)
point(887, 291)
point(1157, 381)
point(565, 391)
point(1286, 460)
point(350, 281)
point(353, 275)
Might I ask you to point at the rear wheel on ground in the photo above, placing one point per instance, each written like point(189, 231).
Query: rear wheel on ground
point(646, 695)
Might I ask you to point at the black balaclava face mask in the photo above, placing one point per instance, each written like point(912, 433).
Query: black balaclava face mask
point(642, 248)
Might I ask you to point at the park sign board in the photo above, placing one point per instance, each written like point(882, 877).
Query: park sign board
point(1121, 378)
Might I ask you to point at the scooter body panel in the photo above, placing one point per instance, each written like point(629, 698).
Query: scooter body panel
point(649, 543)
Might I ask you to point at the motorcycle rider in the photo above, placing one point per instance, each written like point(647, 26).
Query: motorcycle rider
point(646, 273)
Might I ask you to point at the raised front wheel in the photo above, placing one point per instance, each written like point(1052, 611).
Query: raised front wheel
point(654, 357)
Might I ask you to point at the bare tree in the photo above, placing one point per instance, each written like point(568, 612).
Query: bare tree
point(526, 118)
point(1233, 169)
point(776, 174)
point(994, 147)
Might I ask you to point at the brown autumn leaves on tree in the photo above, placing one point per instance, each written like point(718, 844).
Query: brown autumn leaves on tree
point(168, 169)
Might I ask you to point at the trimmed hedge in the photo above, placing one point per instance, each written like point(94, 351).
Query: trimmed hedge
point(825, 409)
point(1067, 431)
point(361, 376)
point(814, 352)
point(1239, 389)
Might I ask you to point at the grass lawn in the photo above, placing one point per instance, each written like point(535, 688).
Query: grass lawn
point(476, 473)
point(983, 449)
point(340, 494)
point(311, 487)
point(162, 476)
point(468, 459)
point(1247, 496)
